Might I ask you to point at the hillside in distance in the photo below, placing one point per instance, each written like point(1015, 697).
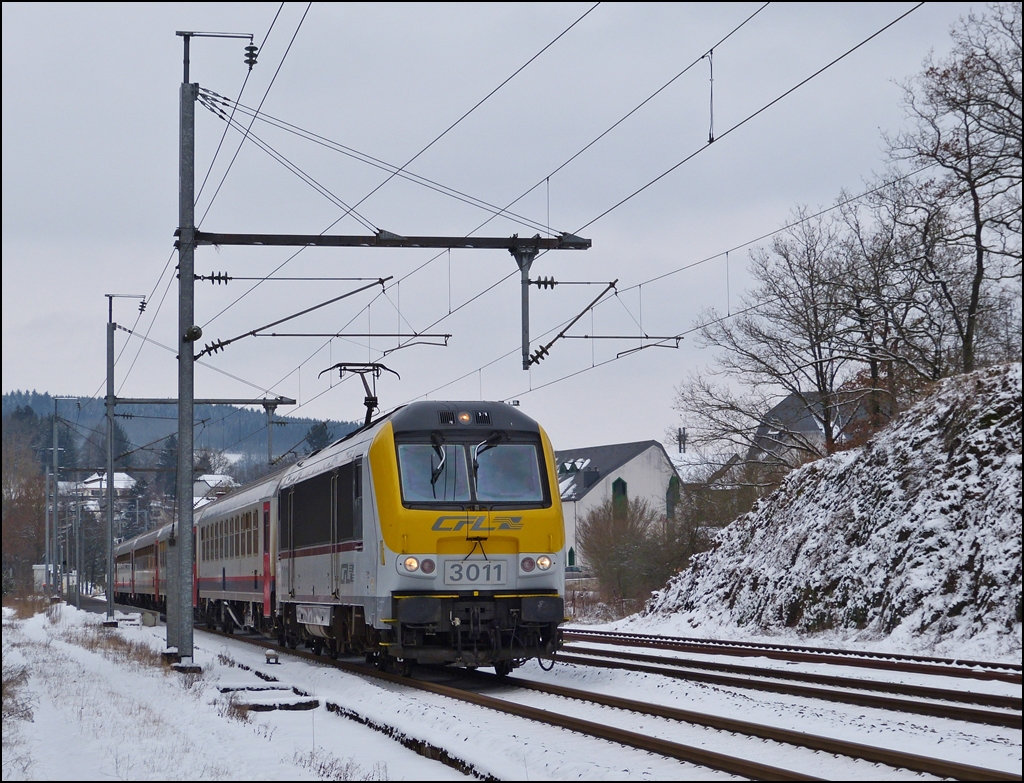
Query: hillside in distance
point(914, 537)
point(222, 428)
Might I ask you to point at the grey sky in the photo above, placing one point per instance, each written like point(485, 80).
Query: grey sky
point(90, 124)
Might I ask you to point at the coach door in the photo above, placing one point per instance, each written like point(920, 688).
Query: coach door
point(287, 534)
point(335, 538)
point(265, 537)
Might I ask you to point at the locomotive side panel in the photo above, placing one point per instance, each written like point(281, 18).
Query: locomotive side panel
point(327, 550)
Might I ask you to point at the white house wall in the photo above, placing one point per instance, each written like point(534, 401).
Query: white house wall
point(646, 476)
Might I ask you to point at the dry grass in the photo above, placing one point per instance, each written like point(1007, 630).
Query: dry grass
point(327, 766)
point(113, 646)
point(27, 605)
point(233, 708)
point(15, 705)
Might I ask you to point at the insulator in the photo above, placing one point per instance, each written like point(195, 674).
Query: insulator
point(538, 355)
point(142, 306)
point(250, 55)
point(545, 282)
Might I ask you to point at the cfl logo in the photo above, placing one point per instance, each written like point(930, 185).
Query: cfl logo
point(451, 524)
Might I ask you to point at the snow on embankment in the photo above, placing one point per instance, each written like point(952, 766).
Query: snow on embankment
point(916, 534)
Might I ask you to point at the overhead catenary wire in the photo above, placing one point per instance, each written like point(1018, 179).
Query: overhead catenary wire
point(167, 265)
point(211, 100)
point(586, 147)
point(265, 94)
point(749, 242)
point(749, 117)
point(220, 144)
point(736, 126)
point(417, 155)
point(566, 163)
point(602, 215)
point(293, 168)
point(412, 159)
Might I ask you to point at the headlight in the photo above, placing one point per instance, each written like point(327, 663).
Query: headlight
point(427, 566)
point(411, 564)
point(543, 562)
point(527, 564)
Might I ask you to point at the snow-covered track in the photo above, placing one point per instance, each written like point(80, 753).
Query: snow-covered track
point(878, 755)
point(770, 680)
point(996, 700)
point(642, 741)
point(916, 664)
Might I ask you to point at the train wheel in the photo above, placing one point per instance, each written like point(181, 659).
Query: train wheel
point(503, 668)
point(405, 667)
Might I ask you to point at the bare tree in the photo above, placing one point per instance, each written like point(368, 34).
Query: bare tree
point(965, 214)
point(793, 341)
point(24, 505)
point(615, 540)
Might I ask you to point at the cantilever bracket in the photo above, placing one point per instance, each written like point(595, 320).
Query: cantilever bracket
point(525, 257)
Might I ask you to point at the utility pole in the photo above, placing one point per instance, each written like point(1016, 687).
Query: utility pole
point(56, 488)
point(78, 552)
point(188, 333)
point(110, 457)
point(47, 582)
point(56, 478)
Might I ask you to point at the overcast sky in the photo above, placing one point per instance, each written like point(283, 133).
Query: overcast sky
point(90, 188)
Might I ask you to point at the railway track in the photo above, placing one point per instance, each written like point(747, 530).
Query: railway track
point(916, 664)
point(644, 741)
point(925, 701)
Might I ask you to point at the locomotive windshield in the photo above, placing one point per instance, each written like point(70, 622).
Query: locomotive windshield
point(433, 473)
point(446, 473)
point(509, 473)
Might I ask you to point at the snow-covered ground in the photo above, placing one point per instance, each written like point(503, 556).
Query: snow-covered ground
point(909, 544)
point(109, 711)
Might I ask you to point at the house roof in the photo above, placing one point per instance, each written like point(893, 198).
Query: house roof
point(122, 481)
point(579, 470)
point(801, 416)
point(217, 480)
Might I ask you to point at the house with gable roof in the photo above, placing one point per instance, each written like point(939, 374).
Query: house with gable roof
point(590, 476)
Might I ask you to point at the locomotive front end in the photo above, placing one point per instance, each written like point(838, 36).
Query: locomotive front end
point(472, 536)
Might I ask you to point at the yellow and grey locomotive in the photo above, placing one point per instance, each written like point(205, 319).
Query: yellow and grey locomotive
point(434, 535)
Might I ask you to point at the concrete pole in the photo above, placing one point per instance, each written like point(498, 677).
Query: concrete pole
point(49, 557)
point(110, 460)
point(56, 490)
point(188, 334)
point(78, 553)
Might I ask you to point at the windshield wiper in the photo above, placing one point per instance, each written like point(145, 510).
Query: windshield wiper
point(436, 441)
point(492, 440)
